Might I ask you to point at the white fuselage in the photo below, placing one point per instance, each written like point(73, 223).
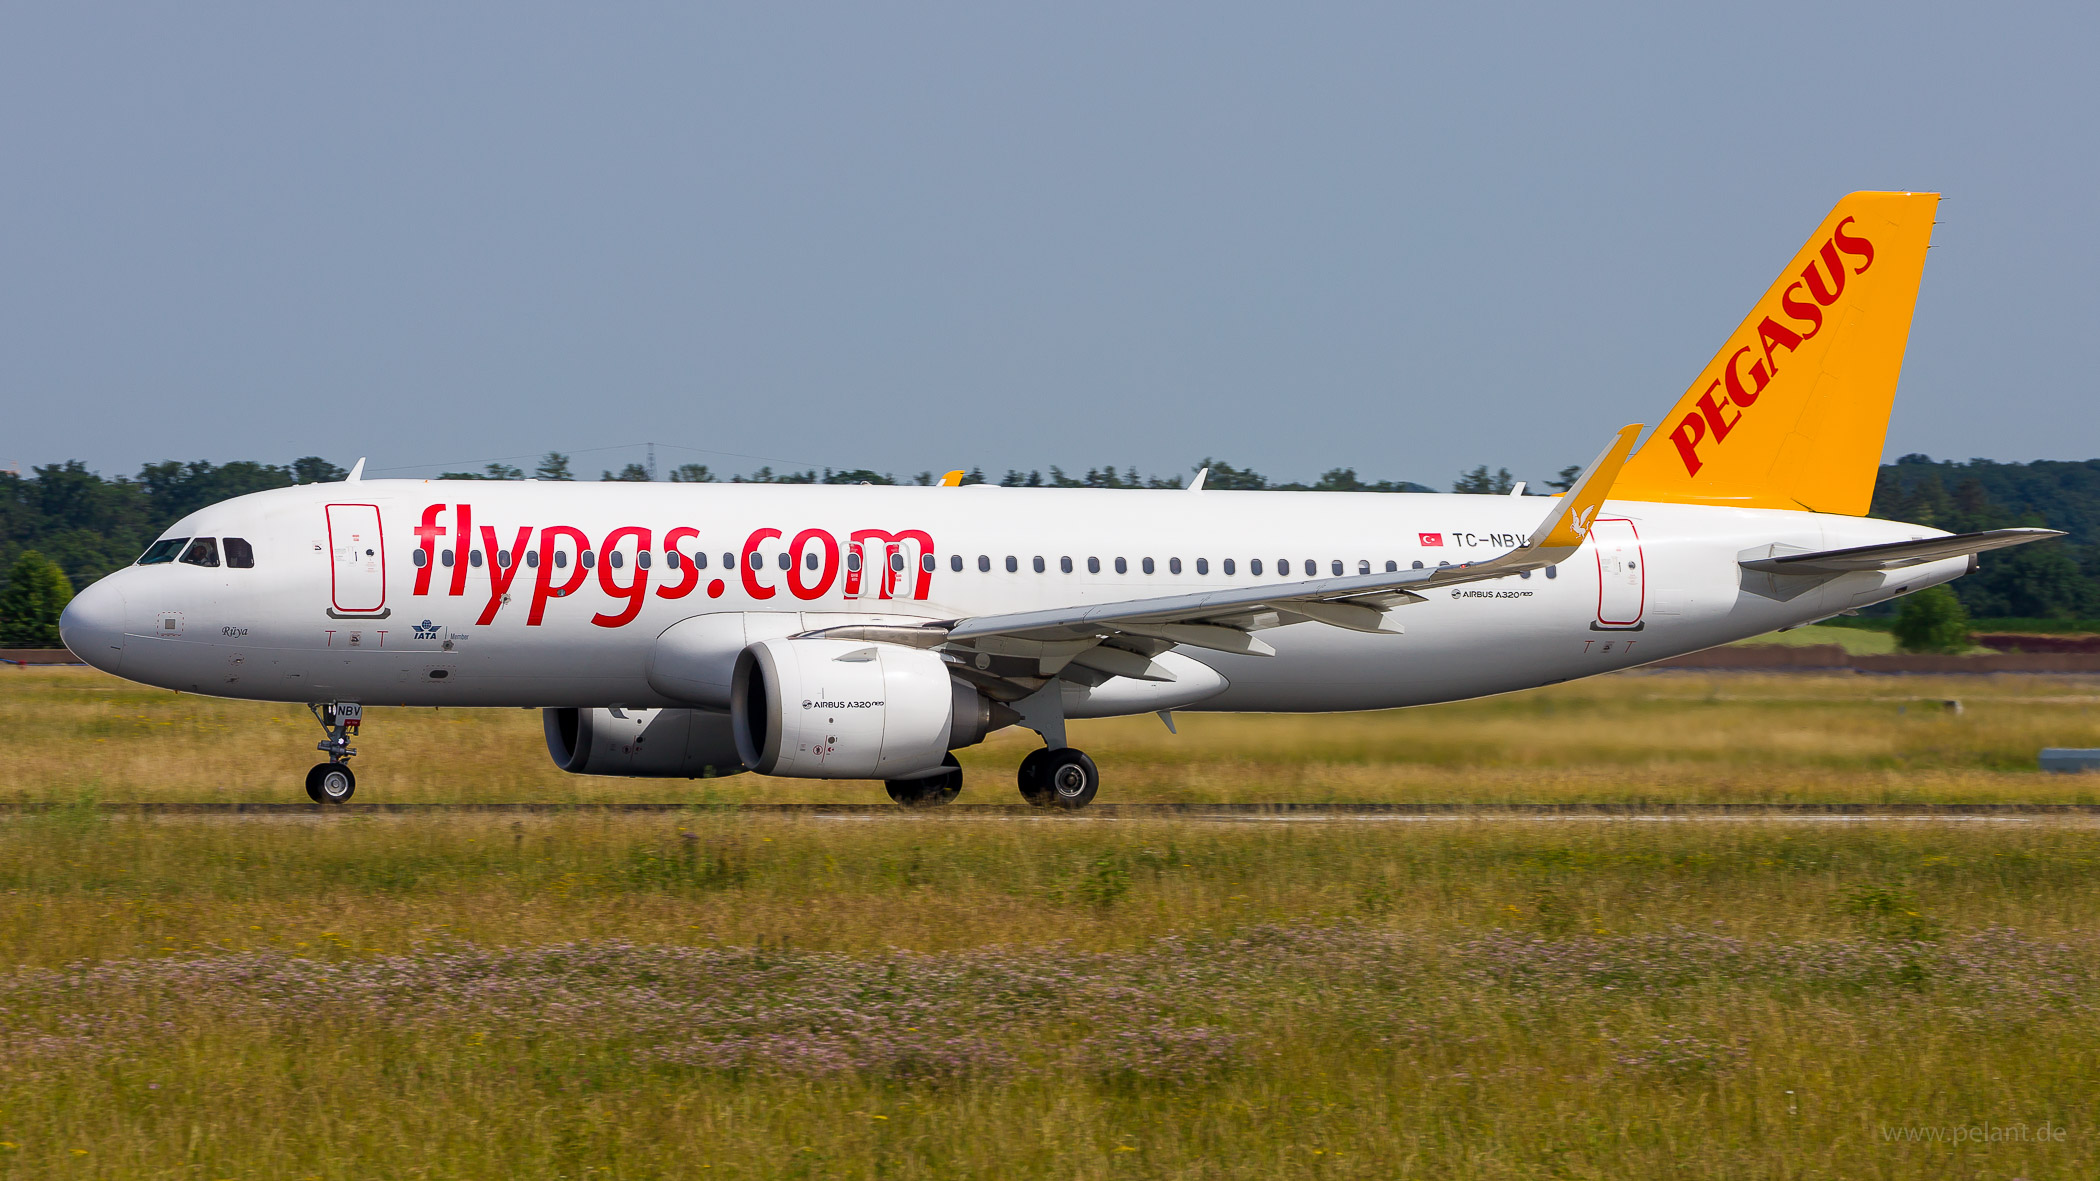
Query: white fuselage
point(336, 606)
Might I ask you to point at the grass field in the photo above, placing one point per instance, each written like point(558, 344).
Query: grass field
point(73, 733)
point(1854, 640)
point(714, 993)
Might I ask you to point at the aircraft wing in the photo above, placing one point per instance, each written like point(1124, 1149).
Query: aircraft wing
point(1897, 554)
point(1224, 620)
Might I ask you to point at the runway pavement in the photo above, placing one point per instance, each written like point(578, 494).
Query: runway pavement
point(1226, 812)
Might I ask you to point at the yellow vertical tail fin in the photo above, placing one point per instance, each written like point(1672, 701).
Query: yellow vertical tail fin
point(1792, 412)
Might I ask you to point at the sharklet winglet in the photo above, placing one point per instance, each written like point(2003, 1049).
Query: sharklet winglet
point(1570, 520)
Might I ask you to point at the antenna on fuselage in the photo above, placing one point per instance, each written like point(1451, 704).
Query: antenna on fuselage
point(1196, 485)
point(357, 471)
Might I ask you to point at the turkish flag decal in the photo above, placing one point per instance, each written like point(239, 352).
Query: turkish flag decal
point(1432, 538)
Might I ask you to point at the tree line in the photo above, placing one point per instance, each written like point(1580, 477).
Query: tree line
point(63, 526)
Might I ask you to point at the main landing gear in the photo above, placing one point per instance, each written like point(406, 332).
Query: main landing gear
point(331, 782)
point(930, 791)
point(1052, 777)
point(1059, 777)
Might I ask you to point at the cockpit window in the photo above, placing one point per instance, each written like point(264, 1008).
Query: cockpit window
point(239, 554)
point(163, 550)
point(202, 552)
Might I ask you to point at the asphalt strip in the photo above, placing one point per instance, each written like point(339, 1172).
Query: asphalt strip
point(1240, 813)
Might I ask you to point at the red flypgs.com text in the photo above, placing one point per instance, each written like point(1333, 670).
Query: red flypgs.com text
point(558, 560)
point(1803, 302)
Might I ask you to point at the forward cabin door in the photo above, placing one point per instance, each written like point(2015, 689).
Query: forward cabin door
point(357, 554)
point(1622, 574)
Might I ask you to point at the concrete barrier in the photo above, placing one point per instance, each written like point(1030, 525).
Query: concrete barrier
point(38, 656)
point(2068, 758)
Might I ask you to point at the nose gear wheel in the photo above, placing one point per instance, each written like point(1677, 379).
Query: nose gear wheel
point(330, 783)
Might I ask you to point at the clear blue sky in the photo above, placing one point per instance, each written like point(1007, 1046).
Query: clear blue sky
point(1406, 239)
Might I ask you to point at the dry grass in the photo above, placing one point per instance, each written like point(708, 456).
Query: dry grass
point(710, 993)
point(1645, 736)
point(1855, 641)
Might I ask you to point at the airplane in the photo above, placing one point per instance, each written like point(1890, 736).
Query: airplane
point(869, 632)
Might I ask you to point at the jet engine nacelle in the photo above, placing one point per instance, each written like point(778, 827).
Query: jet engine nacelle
point(849, 709)
point(645, 743)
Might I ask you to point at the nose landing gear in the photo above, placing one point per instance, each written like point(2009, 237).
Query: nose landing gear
point(331, 782)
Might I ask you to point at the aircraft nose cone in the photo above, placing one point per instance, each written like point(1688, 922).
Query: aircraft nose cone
point(92, 626)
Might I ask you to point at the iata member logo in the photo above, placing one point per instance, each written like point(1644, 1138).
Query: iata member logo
point(1432, 538)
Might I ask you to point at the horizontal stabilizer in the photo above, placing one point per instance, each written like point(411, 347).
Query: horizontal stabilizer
point(1896, 555)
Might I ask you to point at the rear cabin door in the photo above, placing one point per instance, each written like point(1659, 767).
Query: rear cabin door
point(357, 553)
point(1622, 576)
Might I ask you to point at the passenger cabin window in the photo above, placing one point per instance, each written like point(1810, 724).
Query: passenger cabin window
point(1392, 567)
point(418, 558)
point(1147, 565)
point(1173, 565)
point(984, 563)
point(474, 558)
point(532, 558)
point(503, 558)
point(162, 551)
point(1039, 563)
point(1337, 567)
point(926, 562)
point(239, 554)
point(853, 561)
point(445, 558)
point(1202, 565)
point(202, 552)
point(1013, 564)
point(954, 562)
point(1122, 567)
point(1361, 567)
point(1065, 563)
point(1553, 572)
point(641, 559)
point(1253, 566)
point(1228, 566)
point(1093, 565)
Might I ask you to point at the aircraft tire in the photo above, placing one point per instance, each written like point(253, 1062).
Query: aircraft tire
point(1071, 777)
point(1033, 787)
point(931, 791)
point(330, 783)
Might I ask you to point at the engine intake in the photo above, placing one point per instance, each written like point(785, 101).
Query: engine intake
point(847, 709)
point(644, 743)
